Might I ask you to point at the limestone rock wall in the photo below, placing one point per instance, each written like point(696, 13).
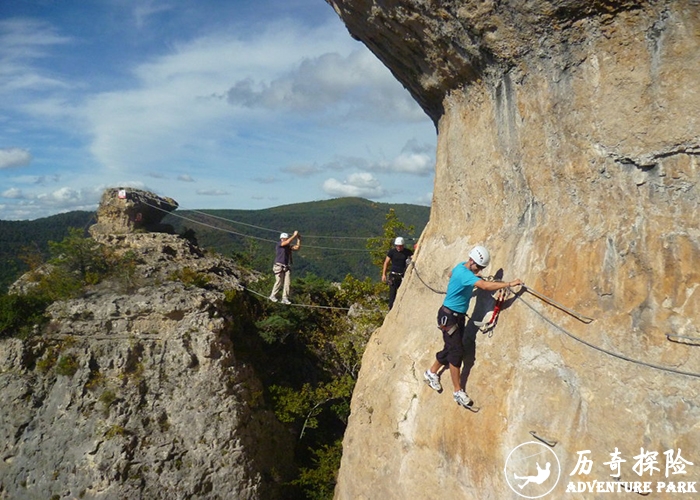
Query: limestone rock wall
point(125, 210)
point(138, 392)
point(568, 143)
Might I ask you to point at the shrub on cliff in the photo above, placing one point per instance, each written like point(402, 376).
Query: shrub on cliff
point(76, 262)
point(19, 314)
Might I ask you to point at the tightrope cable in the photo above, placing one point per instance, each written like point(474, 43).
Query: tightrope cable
point(277, 230)
point(255, 237)
point(296, 305)
point(247, 235)
point(208, 225)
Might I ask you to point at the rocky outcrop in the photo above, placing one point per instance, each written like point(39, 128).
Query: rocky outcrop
point(568, 143)
point(126, 210)
point(137, 390)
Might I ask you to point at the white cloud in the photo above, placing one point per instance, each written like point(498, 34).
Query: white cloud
point(408, 163)
point(356, 85)
point(71, 199)
point(310, 100)
point(145, 10)
point(299, 170)
point(426, 199)
point(44, 204)
point(212, 192)
point(62, 196)
point(413, 160)
point(14, 157)
point(361, 184)
point(175, 111)
point(12, 193)
point(22, 41)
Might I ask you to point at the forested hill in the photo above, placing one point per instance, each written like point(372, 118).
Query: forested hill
point(26, 239)
point(341, 226)
point(334, 233)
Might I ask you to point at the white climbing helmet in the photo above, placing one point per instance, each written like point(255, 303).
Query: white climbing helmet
point(284, 236)
point(480, 256)
point(398, 241)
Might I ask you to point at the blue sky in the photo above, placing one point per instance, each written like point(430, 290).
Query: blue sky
point(215, 103)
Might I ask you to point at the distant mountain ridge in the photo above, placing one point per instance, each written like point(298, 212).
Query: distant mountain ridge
point(22, 237)
point(334, 233)
point(340, 226)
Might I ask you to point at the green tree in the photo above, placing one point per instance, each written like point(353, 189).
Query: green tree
point(393, 227)
point(317, 345)
point(304, 406)
point(81, 255)
point(318, 482)
point(19, 314)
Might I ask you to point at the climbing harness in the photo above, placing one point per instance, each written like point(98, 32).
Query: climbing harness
point(394, 279)
point(489, 321)
point(448, 320)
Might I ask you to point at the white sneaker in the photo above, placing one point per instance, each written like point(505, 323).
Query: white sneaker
point(432, 380)
point(462, 399)
point(286, 301)
point(273, 298)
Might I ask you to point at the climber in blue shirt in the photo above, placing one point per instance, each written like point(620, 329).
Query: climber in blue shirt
point(451, 319)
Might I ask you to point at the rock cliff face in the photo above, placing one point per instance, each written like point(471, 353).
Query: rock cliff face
point(138, 391)
point(123, 210)
point(568, 144)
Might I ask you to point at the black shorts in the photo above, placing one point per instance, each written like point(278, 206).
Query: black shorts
point(452, 326)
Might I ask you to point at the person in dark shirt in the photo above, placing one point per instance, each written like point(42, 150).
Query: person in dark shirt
point(283, 265)
point(398, 256)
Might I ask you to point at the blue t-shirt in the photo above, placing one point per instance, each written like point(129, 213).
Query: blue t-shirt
point(460, 288)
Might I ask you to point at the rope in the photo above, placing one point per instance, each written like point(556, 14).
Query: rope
point(552, 302)
point(578, 339)
point(249, 236)
point(296, 305)
point(208, 225)
point(263, 239)
point(422, 281)
point(277, 231)
point(606, 351)
point(681, 339)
